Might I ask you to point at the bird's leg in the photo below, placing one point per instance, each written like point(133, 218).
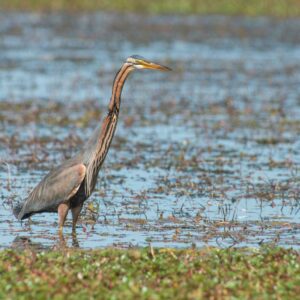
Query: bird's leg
point(62, 215)
point(62, 242)
point(75, 242)
point(75, 214)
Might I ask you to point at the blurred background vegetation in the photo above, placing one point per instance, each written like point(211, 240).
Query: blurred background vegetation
point(278, 8)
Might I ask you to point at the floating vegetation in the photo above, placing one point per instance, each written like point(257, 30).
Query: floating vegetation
point(209, 157)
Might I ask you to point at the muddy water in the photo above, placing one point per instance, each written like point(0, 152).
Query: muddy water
point(206, 155)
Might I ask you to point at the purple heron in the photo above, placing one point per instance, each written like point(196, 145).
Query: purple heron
point(67, 186)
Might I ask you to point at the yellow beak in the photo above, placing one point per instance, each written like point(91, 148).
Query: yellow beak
point(153, 66)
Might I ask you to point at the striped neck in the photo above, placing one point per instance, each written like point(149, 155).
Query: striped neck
point(99, 143)
point(120, 78)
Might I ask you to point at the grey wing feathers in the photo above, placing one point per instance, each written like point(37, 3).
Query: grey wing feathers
point(57, 187)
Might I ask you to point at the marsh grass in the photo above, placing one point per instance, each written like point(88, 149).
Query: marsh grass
point(279, 8)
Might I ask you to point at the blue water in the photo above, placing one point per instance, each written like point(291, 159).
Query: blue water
point(196, 166)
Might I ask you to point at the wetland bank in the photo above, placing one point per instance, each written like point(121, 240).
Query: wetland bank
point(208, 158)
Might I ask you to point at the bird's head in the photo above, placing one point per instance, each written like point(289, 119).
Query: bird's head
point(139, 62)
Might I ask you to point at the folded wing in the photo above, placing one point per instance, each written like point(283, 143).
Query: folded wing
point(56, 188)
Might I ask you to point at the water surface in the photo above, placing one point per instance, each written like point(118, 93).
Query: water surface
point(206, 155)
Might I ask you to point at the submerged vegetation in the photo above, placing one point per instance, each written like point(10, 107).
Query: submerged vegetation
point(209, 157)
point(150, 274)
point(280, 8)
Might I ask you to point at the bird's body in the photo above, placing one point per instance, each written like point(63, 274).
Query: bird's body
point(67, 186)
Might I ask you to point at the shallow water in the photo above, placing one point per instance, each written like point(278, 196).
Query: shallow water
point(206, 155)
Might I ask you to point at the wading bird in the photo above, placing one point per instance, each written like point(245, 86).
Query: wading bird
point(67, 186)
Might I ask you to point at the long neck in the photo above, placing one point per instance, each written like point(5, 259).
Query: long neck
point(121, 76)
point(99, 144)
point(110, 122)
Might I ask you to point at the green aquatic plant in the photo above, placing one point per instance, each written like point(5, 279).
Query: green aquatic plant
point(208, 273)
